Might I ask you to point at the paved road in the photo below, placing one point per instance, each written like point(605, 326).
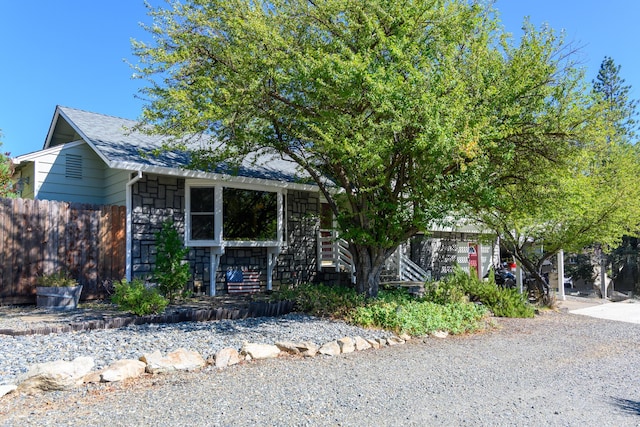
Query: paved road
point(558, 369)
point(623, 311)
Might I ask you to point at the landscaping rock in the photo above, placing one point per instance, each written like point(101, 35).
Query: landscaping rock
point(307, 349)
point(406, 337)
point(122, 370)
point(260, 351)
point(6, 389)
point(374, 343)
point(227, 357)
point(439, 334)
point(394, 340)
point(332, 348)
point(361, 344)
point(382, 341)
point(179, 360)
point(346, 345)
point(93, 377)
point(57, 375)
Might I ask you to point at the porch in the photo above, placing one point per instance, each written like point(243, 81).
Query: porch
point(334, 255)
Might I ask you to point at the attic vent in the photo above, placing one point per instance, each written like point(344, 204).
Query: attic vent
point(73, 168)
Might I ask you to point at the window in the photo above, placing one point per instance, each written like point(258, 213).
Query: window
point(249, 215)
point(202, 213)
point(217, 215)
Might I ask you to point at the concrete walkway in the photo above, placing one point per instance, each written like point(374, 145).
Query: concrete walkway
point(623, 311)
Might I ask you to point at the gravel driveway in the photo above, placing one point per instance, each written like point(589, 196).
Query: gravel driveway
point(558, 370)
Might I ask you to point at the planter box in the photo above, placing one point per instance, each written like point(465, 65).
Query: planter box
point(58, 297)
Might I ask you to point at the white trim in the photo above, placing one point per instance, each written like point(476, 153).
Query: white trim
point(219, 241)
point(129, 225)
point(272, 259)
point(70, 122)
point(215, 254)
point(251, 243)
point(217, 211)
point(281, 218)
point(236, 181)
point(37, 154)
point(187, 217)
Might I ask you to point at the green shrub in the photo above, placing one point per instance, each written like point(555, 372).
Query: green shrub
point(503, 302)
point(393, 310)
point(171, 274)
point(444, 292)
point(404, 314)
point(322, 300)
point(56, 279)
point(137, 298)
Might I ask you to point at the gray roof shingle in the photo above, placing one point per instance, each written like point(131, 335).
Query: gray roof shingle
point(116, 141)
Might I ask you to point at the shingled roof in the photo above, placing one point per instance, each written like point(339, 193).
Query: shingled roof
point(121, 147)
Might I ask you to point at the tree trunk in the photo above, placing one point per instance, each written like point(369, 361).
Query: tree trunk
point(369, 263)
point(539, 289)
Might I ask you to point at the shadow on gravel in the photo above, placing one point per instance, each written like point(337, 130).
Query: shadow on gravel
point(628, 406)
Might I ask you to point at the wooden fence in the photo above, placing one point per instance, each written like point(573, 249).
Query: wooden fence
point(40, 237)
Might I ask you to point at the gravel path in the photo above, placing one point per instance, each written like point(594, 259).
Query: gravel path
point(558, 370)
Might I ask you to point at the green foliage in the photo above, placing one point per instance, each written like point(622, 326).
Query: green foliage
point(582, 268)
point(614, 95)
point(588, 198)
point(503, 302)
point(444, 292)
point(170, 272)
point(137, 298)
point(414, 109)
point(397, 311)
point(6, 173)
point(322, 300)
point(394, 310)
point(60, 278)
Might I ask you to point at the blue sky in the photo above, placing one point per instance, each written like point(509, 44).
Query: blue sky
point(74, 52)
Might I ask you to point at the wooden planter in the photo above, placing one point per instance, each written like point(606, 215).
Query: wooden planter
point(58, 297)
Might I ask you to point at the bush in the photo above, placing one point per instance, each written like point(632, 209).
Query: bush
point(56, 279)
point(394, 309)
point(137, 298)
point(322, 300)
point(444, 292)
point(503, 302)
point(171, 274)
point(399, 312)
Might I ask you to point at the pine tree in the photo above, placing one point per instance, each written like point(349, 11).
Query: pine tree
point(621, 110)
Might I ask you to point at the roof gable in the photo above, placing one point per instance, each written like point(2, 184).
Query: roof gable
point(117, 142)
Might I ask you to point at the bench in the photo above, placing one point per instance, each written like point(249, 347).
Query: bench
point(242, 281)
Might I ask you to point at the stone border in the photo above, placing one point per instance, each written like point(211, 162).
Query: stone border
point(66, 375)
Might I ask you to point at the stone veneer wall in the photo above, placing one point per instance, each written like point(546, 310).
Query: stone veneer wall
point(154, 200)
point(298, 262)
point(157, 198)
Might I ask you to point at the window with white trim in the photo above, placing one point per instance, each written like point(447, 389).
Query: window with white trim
point(239, 216)
point(202, 213)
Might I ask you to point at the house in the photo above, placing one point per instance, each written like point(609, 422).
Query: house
point(263, 216)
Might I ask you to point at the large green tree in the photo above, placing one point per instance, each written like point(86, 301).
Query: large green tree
point(620, 112)
point(402, 112)
point(593, 199)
